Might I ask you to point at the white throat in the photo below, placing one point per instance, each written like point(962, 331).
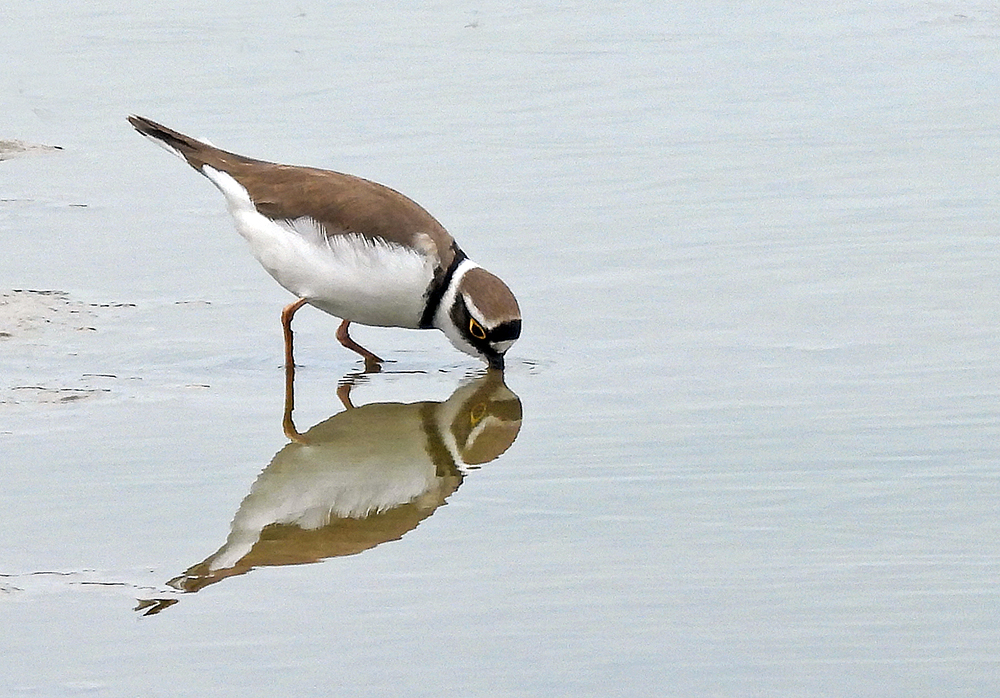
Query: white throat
point(442, 318)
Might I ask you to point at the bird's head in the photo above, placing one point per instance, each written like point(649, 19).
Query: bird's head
point(480, 315)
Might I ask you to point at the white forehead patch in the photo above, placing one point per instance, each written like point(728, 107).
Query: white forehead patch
point(502, 347)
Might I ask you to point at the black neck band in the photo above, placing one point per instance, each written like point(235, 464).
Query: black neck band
point(437, 290)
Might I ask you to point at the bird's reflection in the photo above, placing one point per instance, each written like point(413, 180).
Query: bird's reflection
point(364, 476)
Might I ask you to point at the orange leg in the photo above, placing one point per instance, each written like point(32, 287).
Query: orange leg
point(286, 323)
point(371, 361)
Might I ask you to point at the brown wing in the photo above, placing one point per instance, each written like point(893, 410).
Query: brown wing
point(341, 203)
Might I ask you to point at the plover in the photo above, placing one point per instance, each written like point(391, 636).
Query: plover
point(355, 249)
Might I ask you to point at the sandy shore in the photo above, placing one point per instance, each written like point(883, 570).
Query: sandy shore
point(12, 149)
point(37, 331)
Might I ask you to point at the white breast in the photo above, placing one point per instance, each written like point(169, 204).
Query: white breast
point(349, 276)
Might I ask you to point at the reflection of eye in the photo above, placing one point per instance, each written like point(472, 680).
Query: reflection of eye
point(476, 330)
point(477, 413)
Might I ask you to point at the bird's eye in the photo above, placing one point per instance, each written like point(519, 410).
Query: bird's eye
point(476, 330)
point(477, 413)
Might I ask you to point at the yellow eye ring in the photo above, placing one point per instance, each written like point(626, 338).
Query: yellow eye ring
point(477, 413)
point(476, 330)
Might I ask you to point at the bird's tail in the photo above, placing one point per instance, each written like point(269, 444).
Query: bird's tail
point(197, 153)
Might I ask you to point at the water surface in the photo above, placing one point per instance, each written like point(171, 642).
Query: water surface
point(755, 447)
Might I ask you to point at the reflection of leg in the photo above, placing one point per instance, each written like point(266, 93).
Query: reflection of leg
point(344, 393)
point(286, 324)
point(371, 361)
point(287, 425)
point(350, 380)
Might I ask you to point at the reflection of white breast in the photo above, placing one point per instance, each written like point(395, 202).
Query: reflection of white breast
point(349, 276)
point(364, 461)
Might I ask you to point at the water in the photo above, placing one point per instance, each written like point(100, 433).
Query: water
point(755, 247)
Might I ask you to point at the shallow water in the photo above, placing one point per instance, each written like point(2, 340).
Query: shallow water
point(748, 441)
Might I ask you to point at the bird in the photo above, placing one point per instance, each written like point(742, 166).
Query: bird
point(355, 249)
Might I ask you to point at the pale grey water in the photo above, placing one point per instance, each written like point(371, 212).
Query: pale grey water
point(756, 250)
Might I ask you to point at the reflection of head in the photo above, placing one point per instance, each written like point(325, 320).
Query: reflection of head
point(363, 477)
point(478, 422)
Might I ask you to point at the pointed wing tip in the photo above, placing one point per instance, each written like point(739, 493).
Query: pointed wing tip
point(147, 127)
